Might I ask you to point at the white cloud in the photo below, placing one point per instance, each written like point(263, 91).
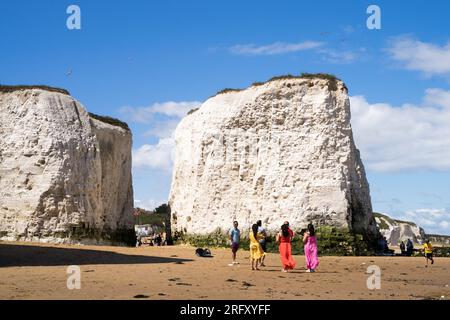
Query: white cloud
point(328, 54)
point(408, 137)
point(348, 29)
point(163, 129)
point(416, 55)
point(155, 156)
point(342, 57)
point(444, 224)
point(146, 114)
point(148, 204)
point(160, 154)
point(274, 48)
point(434, 221)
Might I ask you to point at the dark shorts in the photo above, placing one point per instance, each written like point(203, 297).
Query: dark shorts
point(234, 247)
point(263, 246)
point(429, 256)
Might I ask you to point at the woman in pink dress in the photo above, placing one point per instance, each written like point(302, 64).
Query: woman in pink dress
point(310, 241)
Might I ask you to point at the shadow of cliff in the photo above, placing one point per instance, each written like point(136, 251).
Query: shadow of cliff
point(12, 255)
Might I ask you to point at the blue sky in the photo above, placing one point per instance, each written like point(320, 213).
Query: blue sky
point(148, 62)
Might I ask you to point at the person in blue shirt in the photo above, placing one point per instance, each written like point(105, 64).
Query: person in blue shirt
point(235, 238)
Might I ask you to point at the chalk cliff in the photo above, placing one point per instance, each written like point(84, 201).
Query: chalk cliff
point(396, 231)
point(65, 174)
point(276, 151)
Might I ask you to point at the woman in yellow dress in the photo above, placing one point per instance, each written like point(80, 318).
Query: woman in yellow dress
point(256, 252)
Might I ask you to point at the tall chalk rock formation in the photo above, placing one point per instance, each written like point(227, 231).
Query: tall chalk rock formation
point(65, 175)
point(277, 151)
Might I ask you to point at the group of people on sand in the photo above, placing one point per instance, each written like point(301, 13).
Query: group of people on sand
point(258, 248)
point(407, 250)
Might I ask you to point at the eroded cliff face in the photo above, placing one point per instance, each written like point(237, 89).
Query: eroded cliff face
point(64, 176)
point(279, 151)
point(396, 231)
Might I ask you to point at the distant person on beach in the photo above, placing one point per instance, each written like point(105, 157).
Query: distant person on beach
point(380, 246)
point(428, 252)
point(284, 238)
point(385, 246)
point(310, 242)
point(235, 239)
point(402, 248)
point(256, 252)
point(158, 239)
point(262, 240)
point(409, 248)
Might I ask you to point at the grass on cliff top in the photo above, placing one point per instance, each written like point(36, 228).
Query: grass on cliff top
point(392, 221)
point(5, 88)
point(111, 121)
point(385, 217)
point(326, 76)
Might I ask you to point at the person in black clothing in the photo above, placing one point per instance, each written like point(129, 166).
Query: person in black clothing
point(158, 239)
point(409, 248)
point(403, 248)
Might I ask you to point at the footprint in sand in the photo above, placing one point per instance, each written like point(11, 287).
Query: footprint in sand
point(174, 279)
point(246, 284)
point(231, 280)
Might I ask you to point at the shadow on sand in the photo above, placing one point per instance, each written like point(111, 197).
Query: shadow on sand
point(12, 255)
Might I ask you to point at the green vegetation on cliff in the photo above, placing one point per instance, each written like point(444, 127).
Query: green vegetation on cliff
point(111, 121)
point(332, 81)
point(5, 88)
point(330, 241)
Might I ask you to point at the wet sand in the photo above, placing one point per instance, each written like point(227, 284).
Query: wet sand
point(39, 271)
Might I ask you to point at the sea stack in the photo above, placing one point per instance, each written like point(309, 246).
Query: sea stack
point(276, 151)
point(65, 174)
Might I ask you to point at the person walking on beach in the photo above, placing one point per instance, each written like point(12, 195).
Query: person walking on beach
point(284, 237)
point(262, 240)
point(256, 252)
point(428, 252)
point(310, 242)
point(235, 239)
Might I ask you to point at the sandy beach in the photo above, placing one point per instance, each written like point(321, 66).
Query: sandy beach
point(39, 271)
